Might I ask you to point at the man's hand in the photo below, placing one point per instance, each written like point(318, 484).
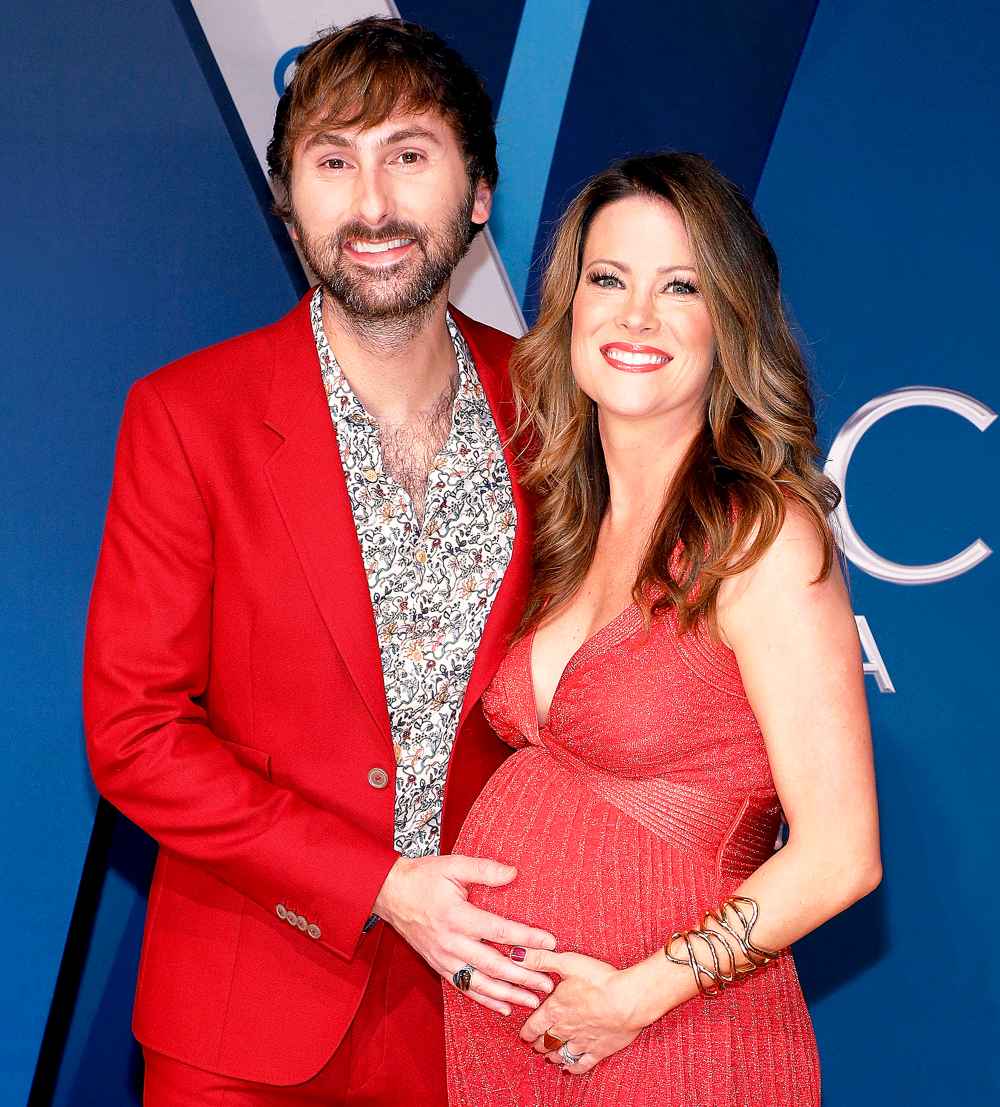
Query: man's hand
point(425, 899)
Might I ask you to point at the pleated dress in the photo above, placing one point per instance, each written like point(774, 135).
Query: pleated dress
point(645, 800)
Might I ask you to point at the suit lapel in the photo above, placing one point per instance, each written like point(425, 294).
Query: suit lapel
point(508, 605)
point(307, 479)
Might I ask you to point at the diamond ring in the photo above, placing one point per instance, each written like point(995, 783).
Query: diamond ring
point(567, 1055)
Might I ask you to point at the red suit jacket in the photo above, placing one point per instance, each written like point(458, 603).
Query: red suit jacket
point(234, 704)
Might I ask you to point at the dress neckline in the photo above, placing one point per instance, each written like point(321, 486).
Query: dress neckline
point(586, 647)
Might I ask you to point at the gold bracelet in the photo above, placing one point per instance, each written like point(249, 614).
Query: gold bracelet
point(718, 977)
point(754, 954)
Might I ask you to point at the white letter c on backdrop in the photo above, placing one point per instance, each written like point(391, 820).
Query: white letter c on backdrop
point(843, 447)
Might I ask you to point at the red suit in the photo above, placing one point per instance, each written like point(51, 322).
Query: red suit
point(235, 710)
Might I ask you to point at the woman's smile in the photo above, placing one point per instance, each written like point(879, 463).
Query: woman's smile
point(631, 358)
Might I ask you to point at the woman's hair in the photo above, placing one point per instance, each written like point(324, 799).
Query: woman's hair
point(756, 451)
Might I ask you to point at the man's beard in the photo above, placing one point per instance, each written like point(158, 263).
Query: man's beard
point(389, 304)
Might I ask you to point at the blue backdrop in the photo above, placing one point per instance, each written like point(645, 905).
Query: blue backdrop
point(136, 231)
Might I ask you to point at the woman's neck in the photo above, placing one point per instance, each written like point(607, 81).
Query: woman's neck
point(642, 459)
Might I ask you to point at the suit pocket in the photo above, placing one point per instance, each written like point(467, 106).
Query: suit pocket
point(249, 756)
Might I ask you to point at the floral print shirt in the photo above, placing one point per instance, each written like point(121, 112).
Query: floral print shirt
point(431, 586)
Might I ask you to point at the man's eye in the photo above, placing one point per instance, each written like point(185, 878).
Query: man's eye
point(410, 157)
point(334, 163)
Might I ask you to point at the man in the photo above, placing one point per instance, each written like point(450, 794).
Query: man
point(313, 557)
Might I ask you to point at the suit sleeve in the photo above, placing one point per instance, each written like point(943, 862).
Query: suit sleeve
point(151, 749)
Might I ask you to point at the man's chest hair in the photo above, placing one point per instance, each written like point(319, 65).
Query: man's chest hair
point(409, 449)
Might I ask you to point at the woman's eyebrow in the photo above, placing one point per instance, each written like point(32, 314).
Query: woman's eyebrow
point(625, 269)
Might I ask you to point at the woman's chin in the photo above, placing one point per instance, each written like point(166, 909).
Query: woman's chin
point(631, 409)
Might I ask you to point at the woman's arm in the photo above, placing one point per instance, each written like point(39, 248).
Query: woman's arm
point(799, 656)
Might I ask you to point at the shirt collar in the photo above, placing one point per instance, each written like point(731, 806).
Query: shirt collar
point(469, 414)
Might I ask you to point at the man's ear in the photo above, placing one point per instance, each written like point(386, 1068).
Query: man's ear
point(289, 221)
point(483, 204)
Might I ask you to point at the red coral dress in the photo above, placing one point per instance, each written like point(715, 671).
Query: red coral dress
point(646, 799)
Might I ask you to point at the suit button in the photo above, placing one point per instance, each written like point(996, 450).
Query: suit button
point(301, 923)
point(313, 931)
point(281, 911)
point(378, 778)
point(291, 918)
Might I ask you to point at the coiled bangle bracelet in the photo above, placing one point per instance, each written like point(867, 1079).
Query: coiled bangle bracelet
point(718, 975)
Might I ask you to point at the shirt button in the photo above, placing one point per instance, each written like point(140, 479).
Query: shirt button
point(421, 556)
point(378, 778)
point(370, 475)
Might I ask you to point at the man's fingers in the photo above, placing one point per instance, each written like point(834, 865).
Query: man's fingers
point(504, 932)
point(503, 992)
point(500, 991)
point(480, 870)
point(495, 965)
point(489, 1002)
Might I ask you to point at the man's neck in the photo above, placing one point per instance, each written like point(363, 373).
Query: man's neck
point(399, 371)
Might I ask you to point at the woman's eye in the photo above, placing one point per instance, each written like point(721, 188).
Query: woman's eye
point(685, 288)
point(606, 280)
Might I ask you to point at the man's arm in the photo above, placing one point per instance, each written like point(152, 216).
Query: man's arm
point(155, 757)
point(152, 752)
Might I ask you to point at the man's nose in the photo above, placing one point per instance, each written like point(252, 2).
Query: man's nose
point(372, 200)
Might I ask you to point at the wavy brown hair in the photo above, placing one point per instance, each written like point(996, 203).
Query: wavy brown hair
point(757, 449)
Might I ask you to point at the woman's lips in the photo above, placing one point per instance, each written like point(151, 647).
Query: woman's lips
point(631, 358)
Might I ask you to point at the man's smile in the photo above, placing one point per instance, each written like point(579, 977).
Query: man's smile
point(378, 253)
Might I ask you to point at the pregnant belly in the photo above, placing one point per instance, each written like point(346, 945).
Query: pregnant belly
point(602, 883)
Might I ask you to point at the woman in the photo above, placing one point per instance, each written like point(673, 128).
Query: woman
point(687, 670)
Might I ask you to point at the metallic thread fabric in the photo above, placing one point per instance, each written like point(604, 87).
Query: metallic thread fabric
point(646, 799)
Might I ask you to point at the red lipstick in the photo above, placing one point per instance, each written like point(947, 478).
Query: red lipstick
point(630, 357)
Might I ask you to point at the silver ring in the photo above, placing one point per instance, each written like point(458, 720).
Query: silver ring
point(568, 1057)
point(462, 979)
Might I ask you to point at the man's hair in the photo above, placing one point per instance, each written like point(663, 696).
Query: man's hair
point(361, 74)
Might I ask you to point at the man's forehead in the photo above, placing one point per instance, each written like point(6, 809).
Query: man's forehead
point(400, 125)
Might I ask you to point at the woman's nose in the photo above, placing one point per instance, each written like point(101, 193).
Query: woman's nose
point(638, 318)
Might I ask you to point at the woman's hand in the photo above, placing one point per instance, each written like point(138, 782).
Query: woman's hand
point(596, 1009)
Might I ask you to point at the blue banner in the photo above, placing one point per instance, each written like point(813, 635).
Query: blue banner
point(138, 230)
